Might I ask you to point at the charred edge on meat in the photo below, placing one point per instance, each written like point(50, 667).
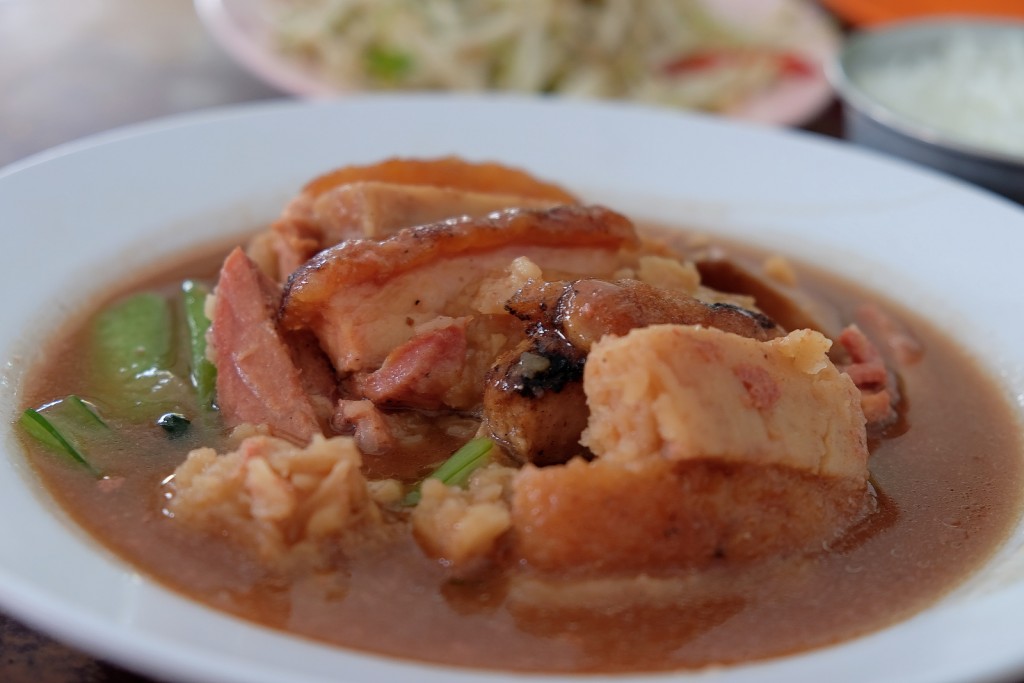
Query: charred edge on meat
point(761, 319)
point(550, 364)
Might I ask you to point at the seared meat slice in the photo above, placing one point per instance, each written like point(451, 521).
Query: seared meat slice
point(534, 403)
point(903, 347)
point(257, 379)
point(420, 372)
point(368, 425)
point(364, 298)
point(591, 309)
point(789, 306)
point(879, 391)
point(707, 446)
point(375, 201)
point(584, 311)
point(316, 376)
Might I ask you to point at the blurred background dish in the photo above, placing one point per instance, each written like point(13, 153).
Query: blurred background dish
point(942, 92)
point(758, 60)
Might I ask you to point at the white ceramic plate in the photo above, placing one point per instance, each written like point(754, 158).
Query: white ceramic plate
point(81, 216)
point(245, 29)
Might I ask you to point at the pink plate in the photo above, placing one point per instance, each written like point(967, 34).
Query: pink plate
point(244, 28)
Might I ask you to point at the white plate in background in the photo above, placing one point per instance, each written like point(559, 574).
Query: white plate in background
point(82, 216)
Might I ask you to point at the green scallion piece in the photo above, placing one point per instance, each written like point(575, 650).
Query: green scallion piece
point(204, 373)
point(456, 469)
point(84, 412)
point(61, 426)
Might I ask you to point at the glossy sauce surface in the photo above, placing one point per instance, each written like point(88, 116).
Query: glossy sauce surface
point(949, 490)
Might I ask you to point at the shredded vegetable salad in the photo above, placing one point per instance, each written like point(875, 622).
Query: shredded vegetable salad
point(675, 52)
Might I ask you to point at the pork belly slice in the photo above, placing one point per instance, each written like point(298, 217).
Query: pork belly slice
point(287, 504)
point(258, 381)
point(376, 200)
point(451, 172)
point(378, 210)
point(375, 210)
point(708, 446)
point(363, 298)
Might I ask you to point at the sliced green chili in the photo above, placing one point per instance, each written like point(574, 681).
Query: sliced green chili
point(204, 373)
point(63, 426)
point(456, 469)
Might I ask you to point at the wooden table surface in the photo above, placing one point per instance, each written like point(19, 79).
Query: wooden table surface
point(70, 68)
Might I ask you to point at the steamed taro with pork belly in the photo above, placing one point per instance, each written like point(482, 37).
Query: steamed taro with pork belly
point(453, 396)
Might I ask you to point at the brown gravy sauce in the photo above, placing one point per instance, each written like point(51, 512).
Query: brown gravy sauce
point(950, 489)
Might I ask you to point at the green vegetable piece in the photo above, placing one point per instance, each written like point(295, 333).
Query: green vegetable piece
point(388, 65)
point(132, 356)
point(204, 373)
point(456, 469)
point(63, 425)
point(134, 336)
point(84, 413)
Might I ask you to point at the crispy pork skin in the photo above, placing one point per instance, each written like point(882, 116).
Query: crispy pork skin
point(453, 172)
point(377, 210)
point(364, 298)
point(257, 379)
point(376, 200)
point(657, 516)
point(707, 446)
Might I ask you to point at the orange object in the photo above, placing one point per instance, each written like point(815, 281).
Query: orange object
point(445, 172)
point(873, 12)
